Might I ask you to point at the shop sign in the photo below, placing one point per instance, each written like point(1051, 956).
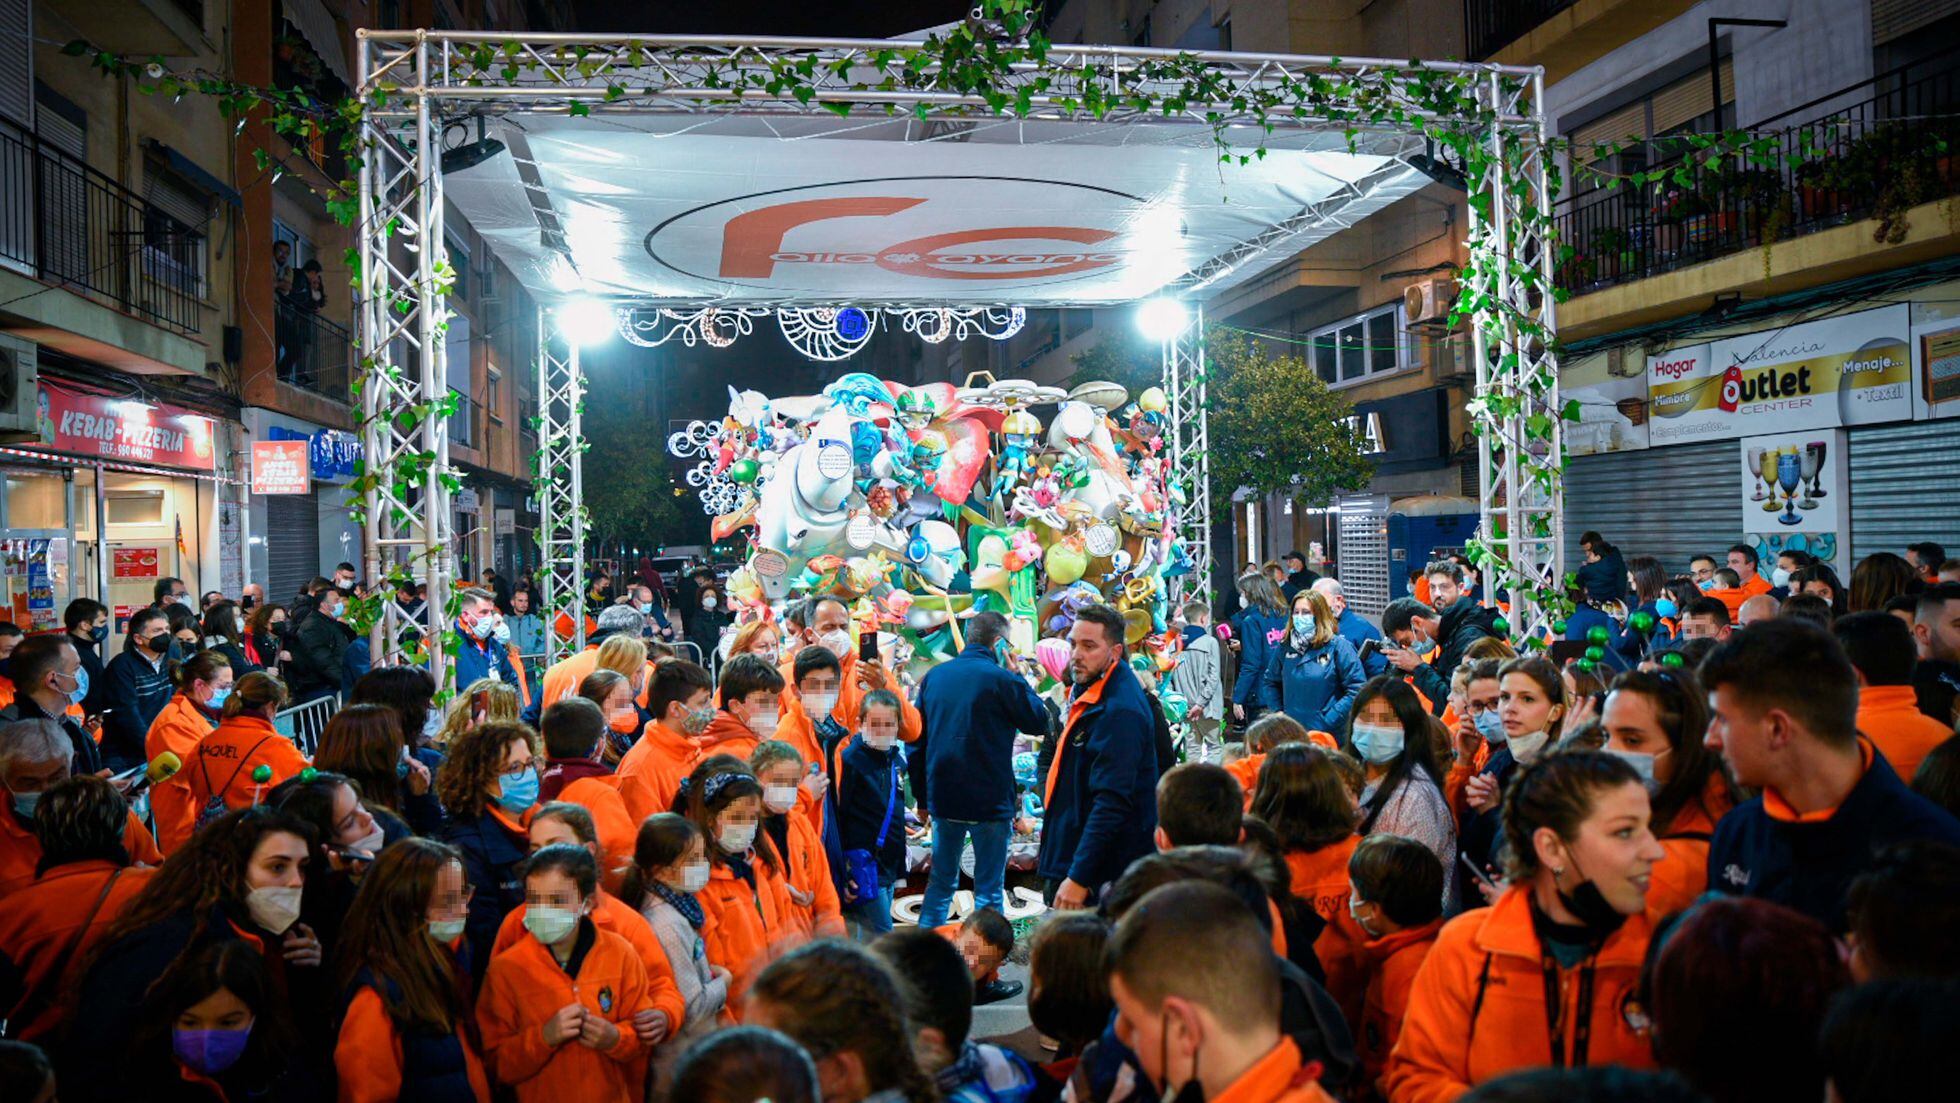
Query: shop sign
point(506, 523)
point(123, 429)
point(331, 453)
point(1855, 369)
point(1795, 494)
point(134, 562)
point(281, 467)
point(467, 501)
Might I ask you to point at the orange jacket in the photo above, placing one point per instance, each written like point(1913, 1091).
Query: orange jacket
point(224, 761)
point(727, 735)
point(562, 679)
point(1459, 774)
point(1477, 1009)
point(650, 773)
point(850, 697)
point(1278, 1077)
point(745, 928)
point(1320, 877)
point(20, 850)
point(1682, 876)
point(179, 728)
point(526, 986)
point(1889, 716)
point(1246, 770)
point(1391, 963)
point(797, 729)
point(618, 830)
point(610, 913)
point(1734, 598)
point(40, 922)
point(807, 869)
point(367, 1054)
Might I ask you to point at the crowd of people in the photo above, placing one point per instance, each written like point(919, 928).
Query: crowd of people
point(1703, 846)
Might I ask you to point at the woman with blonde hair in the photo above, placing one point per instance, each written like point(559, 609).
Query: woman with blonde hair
point(486, 700)
point(757, 637)
point(1312, 674)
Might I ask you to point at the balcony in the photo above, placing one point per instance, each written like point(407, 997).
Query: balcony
point(64, 223)
point(1490, 25)
point(1896, 145)
point(315, 354)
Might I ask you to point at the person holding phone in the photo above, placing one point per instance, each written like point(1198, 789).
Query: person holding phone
point(827, 623)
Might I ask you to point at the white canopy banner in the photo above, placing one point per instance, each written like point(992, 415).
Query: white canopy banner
point(736, 212)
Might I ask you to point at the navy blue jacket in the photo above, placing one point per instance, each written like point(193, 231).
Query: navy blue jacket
point(1355, 629)
point(1808, 866)
point(864, 788)
point(476, 660)
point(1254, 629)
point(434, 1066)
point(1606, 579)
point(491, 855)
point(1102, 814)
point(1315, 685)
point(962, 764)
point(136, 692)
point(1585, 618)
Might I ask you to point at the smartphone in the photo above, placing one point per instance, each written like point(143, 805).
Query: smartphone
point(868, 647)
point(1479, 874)
point(131, 772)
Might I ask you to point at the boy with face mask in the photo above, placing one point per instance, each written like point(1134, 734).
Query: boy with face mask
point(1397, 901)
point(681, 698)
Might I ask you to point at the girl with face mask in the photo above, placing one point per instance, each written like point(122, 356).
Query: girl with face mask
point(488, 783)
point(204, 682)
point(1394, 738)
point(788, 818)
point(405, 1033)
point(1532, 705)
point(237, 883)
point(670, 865)
point(746, 900)
point(1656, 721)
point(1563, 943)
point(570, 984)
point(213, 1027)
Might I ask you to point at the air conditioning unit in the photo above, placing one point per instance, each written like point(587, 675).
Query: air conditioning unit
point(19, 389)
point(1428, 302)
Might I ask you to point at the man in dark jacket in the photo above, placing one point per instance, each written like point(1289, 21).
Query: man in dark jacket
point(1784, 700)
point(87, 621)
point(1298, 577)
point(1604, 573)
point(1101, 785)
point(137, 686)
point(485, 648)
point(320, 639)
point(48, 675)
point(1416, 628)
point(1936, 627)
point(962, 764)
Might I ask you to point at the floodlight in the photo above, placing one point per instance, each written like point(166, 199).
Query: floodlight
point(1162, 319)
point(587, 322)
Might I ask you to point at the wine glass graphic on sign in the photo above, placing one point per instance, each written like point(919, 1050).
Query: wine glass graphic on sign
point(1808, 469)
point(1789, 471)
point(1755, 462)
point(1817, 481)
point(1770, 456)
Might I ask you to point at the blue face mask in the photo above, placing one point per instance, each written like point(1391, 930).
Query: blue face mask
point(25, 804)
point(218, 697)
point(1303, 623)
point(99, 633)
point(520, 793)
point(1490, 726)
point(81, 684)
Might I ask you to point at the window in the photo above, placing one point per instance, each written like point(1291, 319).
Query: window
point(1352, 349)
point(173, 231)
point(493, 395)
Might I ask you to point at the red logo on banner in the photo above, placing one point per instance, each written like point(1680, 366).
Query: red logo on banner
point(123, 429)
point(1731, 396)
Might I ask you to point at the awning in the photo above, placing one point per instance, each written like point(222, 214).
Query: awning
point(317, 25)
point(190, 171)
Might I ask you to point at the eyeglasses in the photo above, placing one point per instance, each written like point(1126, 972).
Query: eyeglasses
point(516, 773)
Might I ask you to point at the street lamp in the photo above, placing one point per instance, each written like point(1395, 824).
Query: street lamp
point(1162, 319)
point(587, 322)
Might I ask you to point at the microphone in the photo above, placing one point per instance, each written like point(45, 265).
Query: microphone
point(161, 768)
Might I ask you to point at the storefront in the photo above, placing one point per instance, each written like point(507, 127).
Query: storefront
point(114, 496)
point(1820, 432)
point(306, 526)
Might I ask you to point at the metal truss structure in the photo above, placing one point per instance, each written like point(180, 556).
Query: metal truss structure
point(560, 483)
point(412, 82)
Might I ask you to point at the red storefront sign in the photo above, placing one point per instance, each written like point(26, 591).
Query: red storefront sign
point(281, 467)
point(123, 429)
point(134, 562)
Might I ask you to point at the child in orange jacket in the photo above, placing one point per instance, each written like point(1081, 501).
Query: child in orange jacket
point(682, 701)
point(557, 1010)
point(787, 793)
point(746, 907)
point(1397, 900)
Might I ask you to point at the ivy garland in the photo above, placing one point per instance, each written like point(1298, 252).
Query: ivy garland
point(999, 62)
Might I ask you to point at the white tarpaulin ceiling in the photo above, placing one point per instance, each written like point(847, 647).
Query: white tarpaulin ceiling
point(741, 210)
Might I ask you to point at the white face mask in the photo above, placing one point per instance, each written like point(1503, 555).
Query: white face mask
point(1779, 577)
point(709, 602)
point(1525, 748)
point(273, 909)
point(763, 722)
point(694, 876)
point(736, 837)
point(779, 798)
point(879, 742)
point(1354, 913)
point(1642, 763)
point(836, 641)
point(371, 843)
point(819, 705)
point(1378, 744)
point(550, 925)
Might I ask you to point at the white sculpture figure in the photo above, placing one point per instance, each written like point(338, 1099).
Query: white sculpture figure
point(804, 506)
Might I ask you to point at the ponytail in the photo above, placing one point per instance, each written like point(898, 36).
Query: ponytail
point(833, 997)
point(256, 692)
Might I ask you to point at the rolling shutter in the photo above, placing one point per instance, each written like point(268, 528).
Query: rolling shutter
point(1670, 503)
point(1902, 479)
point(292, 550)
point(17, 60)
point(1892, 19)
point(1362, 557)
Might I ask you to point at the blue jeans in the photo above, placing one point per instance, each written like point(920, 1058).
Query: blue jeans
point(872, 917)
point(989, 866)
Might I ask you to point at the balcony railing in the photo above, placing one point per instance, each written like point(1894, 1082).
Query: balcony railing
point(315, 353)
point(63, 222)
point(1874, 149)
point(1491, 25)
point(462, 423)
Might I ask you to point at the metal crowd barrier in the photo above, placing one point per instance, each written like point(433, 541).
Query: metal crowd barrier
point(303, 724)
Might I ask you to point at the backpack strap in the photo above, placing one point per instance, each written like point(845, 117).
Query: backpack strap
point(204, 765)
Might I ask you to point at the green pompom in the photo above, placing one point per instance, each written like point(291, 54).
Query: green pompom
point(1595, 653)
point(1500, 626)
point(1583, 666)
point(1673, 660)
point(308, 774)
point(1559, 626)
point(1642, 622)
point(1598, 634)
point(262, 774)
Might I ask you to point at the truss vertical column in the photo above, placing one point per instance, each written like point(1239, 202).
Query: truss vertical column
point(560, 485)
point(404, 438)
point(1190, 451)
point(1521, 489)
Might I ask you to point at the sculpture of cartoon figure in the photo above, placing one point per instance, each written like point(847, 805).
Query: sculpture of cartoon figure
point(936, 554)
point(916, 409)
point(804, 507)
point(1018, 432)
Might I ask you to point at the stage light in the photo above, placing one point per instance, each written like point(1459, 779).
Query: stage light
point(1162, 319)
point(587, 322)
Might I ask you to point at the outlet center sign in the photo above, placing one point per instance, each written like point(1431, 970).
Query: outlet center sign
point(1855, 369)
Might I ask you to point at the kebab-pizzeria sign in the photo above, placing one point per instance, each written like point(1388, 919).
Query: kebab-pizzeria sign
point(123, 429)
